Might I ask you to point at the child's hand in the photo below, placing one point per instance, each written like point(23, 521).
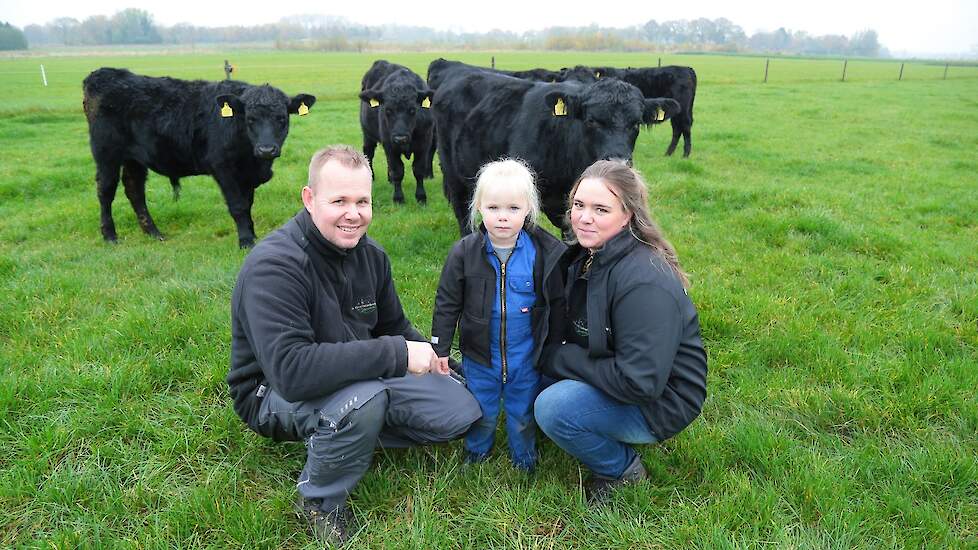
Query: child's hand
point(441, 365)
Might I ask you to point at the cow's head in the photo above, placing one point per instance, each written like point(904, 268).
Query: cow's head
point(610, 112)
point(399, 107)
point(264, 111)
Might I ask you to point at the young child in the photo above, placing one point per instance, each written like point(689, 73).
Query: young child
point(498, 285)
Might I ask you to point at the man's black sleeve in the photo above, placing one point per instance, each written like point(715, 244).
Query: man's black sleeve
point(647, 324)
point(274, 312)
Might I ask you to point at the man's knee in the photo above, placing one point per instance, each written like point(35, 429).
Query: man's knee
point(459, 411)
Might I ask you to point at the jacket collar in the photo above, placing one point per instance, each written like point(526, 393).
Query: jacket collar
point(615, 248)
point(312, 238)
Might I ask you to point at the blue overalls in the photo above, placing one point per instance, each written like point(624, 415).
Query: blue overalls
point(513, 377)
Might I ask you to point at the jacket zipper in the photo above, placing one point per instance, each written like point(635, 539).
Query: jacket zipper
point(502, 316)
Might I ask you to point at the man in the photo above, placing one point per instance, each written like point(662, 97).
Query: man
point(321, 350)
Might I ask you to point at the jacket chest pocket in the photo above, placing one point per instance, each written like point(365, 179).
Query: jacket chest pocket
point(477, 298)
point(520, 294)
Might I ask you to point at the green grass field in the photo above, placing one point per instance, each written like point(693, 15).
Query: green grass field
point(830, 230)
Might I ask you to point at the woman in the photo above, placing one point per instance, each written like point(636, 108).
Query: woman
point(631, 368)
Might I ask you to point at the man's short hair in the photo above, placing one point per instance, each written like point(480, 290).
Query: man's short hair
point(344, 154)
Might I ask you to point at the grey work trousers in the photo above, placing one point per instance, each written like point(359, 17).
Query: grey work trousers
point(342, 430)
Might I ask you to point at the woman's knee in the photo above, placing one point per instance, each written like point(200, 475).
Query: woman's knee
point(555, 404)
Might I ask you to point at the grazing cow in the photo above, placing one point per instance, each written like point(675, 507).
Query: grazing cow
point(228, 129)
point(559, 129)
point(674, 82)
point(395, 112)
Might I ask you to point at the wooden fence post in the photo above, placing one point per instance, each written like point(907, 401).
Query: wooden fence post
point(844, 65)
point(945, 70)
point(767, 64)
point(660, 62)
point(493, 62)
point(901, 72)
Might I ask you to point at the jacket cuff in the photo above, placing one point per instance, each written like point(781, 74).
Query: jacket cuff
point(400, 356)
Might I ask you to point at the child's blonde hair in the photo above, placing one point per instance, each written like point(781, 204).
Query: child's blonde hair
point(511, 173)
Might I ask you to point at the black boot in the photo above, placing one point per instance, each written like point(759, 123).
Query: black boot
point(331, 528)
point(599, 488)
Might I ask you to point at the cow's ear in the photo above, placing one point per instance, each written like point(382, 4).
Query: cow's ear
point(563, 104)
point(424, 98)
point(229, 105)
point(301, 103)
point(659, 109)
point(373, 97)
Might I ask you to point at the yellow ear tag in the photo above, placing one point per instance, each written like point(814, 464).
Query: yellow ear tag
point(374, 103)
point(660, 115)
point(559, 108)
point(597, 74)
point(226, 111)
point(303, 110)
point(426, 103)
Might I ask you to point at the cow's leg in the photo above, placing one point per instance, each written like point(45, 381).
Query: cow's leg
point(369, 148)
point(420, 168)
point(687, 142)
point(676, 132)
point(430, 167)
point(239, 200)
point(134, 182)
point(395, 173)
point(107, 180)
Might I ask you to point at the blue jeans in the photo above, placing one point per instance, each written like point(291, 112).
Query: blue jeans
point(591, 426)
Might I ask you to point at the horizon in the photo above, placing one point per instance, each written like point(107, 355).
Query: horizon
point(947, 27)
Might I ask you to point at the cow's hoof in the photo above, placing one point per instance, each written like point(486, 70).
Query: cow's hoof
point(111, 240)
point(423, 201)
point(398, 200)
point(246, 243)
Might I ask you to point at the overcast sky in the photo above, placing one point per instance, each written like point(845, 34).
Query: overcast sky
point(936, 26)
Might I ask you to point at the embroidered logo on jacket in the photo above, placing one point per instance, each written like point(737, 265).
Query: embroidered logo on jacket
point(364, 306)
point(580, 327)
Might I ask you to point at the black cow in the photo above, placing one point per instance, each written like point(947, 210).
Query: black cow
point(395, 112)
point(674, 82)
point(228, 129)
point(442, 69)
point(559, 129)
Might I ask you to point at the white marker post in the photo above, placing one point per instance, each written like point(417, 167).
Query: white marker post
point(44, 77)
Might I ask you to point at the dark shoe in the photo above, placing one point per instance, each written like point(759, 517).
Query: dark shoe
point(600, 488)
point(474, 458)
point(329, 528)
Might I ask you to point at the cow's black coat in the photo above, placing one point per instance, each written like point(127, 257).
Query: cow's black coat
point(175, 128)
point(672, 81)
point(481, 116)
point(400, 121)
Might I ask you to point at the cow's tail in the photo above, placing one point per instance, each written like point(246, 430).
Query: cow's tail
point(175, 182)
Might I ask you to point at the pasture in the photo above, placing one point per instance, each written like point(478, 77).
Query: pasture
point(830, 230)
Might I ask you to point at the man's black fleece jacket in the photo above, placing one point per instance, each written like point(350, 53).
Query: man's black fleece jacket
point(308, 318)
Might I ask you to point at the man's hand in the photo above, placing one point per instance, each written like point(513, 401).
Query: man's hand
point(441, 365)
point(421, 357)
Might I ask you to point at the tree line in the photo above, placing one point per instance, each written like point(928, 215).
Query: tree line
point(317, 32)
